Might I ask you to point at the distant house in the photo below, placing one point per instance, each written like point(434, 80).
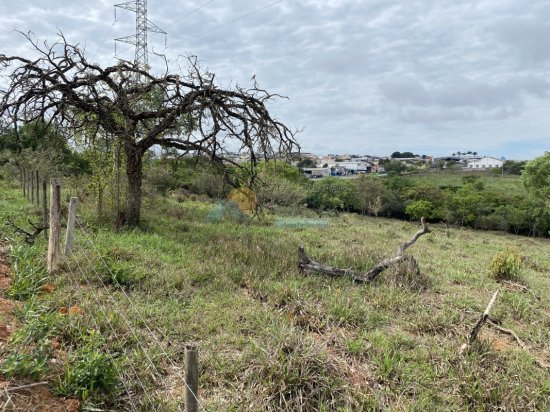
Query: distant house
point(354, 167)
point(316, 172)
point(485, 162)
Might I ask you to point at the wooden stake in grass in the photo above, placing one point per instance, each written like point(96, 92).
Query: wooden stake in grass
point(44, 203)
point(71, 219)
point(478, 325)
point(305, 263)
point(191, 379)
point(37, 189)
point(54, 246)
point(32, 187)
point(24, 183)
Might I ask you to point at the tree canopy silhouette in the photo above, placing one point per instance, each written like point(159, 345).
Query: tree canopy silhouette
point(187, 111)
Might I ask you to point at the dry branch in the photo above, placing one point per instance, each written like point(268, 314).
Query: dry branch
point(29, 237)
point(521, 343)
point(29, 386)
point(478, 325)
point(518, 286)
point(305, 263)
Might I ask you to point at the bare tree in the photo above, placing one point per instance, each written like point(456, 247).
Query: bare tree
point(185, 111)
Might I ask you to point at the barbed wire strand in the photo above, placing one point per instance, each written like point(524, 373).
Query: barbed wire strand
point(119, 372)
point(127, 323)
point(132, 305)
point(104, 310)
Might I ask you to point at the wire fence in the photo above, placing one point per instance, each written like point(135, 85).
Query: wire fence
point(142, 358)
point(126, 309)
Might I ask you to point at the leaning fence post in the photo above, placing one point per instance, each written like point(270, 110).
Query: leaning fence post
point(54, 247)
point(191, 379)
point(69, 235)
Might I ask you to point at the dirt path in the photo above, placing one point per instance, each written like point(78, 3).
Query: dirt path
point(14, 396)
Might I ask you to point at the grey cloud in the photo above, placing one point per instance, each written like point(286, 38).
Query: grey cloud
point(527, 36)
point(463, 92)
point(367, 76)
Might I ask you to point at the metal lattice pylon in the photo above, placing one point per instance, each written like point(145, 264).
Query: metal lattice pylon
point(143, 26)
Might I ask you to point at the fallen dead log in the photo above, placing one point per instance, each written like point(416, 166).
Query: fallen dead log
point(305, 263)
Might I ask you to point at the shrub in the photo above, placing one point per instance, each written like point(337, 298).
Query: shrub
point(506, 265)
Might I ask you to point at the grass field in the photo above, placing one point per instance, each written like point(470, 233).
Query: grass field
point(493, 182)
point(274, 339)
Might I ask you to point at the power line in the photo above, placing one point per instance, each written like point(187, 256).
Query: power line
point(223, 24)
point(237, 19)
point(189, 14)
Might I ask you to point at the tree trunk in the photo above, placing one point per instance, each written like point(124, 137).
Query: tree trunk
point(134, 173)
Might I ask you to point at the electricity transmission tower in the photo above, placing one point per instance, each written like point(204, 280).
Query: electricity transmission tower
point(143, 26)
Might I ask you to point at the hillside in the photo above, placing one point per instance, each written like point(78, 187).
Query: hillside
point(270, 337)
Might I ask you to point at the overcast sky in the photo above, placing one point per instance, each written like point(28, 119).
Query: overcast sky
point(362, 76)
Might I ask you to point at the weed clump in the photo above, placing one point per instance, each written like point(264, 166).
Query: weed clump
point(295, 375)
point(506, 265)
point(90, 370)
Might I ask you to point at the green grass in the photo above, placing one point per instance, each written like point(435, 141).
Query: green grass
point(272, 339)
point(494, 182)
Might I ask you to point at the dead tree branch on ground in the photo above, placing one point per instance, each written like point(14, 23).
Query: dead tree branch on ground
point(29, 237)
point(521, 343)
point(307, 264)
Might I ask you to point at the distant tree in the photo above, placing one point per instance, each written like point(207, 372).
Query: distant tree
point(419, 208)
point(536, 176)
point(333, 194)
point(393, 166)
point(474, 153)
point(403, 155)
point(306, 163)
point(370, 194)
point(465, 205)
point(513, 167)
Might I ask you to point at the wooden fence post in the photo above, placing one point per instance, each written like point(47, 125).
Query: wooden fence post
point(191, 379)
point(24, 183)
point(32, 186)
point(45, 206)
point(37, 190)
point(71, 219)
point(54, 246)
point(21, 178)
